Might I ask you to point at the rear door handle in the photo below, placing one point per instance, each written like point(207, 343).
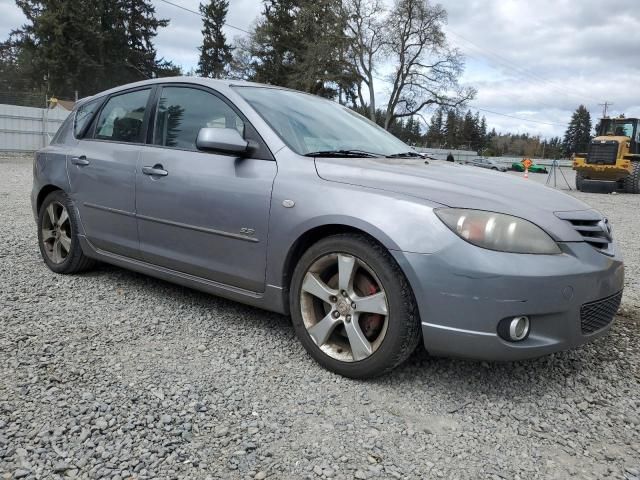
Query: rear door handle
point(81, 160)
point(155, 171)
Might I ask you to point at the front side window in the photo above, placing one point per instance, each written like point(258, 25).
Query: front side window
point(183, 111)
point(83, 116)
point(121, 118)
point(309, 124)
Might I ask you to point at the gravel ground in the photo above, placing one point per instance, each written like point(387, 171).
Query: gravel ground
point(115, 375)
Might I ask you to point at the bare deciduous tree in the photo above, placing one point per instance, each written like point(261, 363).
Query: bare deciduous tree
point(366, 46)
point(426, 69)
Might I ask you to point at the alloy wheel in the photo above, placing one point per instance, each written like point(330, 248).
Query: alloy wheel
point(56, 232)
point(344, 307)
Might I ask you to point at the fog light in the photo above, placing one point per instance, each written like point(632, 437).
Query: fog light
point(518, 329)
point(514, 329)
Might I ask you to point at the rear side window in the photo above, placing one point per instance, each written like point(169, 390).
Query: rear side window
point(122, 116)
point(83, 116)
point(183, 111)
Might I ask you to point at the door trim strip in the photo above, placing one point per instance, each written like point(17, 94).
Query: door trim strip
point(222, 233)
point(109, 209)
point(211, 231)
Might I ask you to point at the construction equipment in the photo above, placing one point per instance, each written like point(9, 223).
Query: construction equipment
point(613, 159)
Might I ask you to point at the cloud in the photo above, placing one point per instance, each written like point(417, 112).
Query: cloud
point(548, 56)
point(535, 60)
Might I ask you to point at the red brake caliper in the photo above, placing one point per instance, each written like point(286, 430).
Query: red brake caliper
point(370, 322)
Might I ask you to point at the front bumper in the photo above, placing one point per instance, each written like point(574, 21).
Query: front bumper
point(464, 291)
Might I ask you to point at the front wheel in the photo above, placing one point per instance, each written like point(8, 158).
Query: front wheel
point(632, 181)
point(58, 235)
point(352, 308)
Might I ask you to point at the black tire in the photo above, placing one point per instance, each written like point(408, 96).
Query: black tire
point(632, 181)
point(403, 331)
point(75, 260)
point(579, 179)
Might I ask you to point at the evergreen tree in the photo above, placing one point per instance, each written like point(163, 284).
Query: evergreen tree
point(451, 129)
point(301, 44)
point(434, 136)
point(411, 133)
point(578, 134)
point(215, 53)
point(483, 134)
point(75, 45)
point(468, 131)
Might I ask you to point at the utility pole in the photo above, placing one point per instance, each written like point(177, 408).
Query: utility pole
point(605, 108)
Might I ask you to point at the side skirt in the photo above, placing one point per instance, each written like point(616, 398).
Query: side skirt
point(272, 299)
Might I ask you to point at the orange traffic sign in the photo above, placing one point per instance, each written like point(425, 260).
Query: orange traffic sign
point(526, 163)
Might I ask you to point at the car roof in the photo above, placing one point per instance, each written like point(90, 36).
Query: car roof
point(209, 82)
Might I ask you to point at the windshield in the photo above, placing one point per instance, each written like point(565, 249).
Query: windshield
point(618, 128)
point(308, 124)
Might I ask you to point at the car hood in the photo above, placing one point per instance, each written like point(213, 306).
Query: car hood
point(459, 186)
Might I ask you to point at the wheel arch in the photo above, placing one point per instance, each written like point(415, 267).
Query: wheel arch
point(314, 234)
point(42, 194)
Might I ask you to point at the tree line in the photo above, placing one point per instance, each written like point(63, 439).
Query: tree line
point(332, 48)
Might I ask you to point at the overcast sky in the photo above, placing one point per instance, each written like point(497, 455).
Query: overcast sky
point(532, 60)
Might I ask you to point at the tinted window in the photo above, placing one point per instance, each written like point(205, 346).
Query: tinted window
point(83, 116)
point(182, 112)
point(122, 116)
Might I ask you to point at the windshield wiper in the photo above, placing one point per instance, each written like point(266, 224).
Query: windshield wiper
point(405, 154)
point(342, 153)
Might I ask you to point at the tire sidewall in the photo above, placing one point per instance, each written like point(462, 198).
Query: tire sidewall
point(382, 265)
point(62, 198)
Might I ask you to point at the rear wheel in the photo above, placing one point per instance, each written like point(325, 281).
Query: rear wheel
point(632, 181)
point(352, 308)
point(579, 179)
point(58, 235)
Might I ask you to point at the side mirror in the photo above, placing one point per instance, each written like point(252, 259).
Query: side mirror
point(226, 140)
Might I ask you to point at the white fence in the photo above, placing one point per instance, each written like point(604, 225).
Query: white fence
point(442, 154)
point(466, 156)
point(26, 129)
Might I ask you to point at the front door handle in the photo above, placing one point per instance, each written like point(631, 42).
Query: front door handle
point(81, 160)
point(155, 171)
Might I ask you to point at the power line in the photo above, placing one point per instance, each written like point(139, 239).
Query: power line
point(501, 114)
point(520, 118)
point(522, 72)
point(201, 15)
point(385, 80)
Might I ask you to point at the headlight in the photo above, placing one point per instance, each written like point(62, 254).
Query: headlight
point(497, 231)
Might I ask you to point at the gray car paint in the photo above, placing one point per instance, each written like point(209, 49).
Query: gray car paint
point(176, 231)
point(191, 222)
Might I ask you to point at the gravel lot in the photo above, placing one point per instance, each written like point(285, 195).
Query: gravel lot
point(116, 375)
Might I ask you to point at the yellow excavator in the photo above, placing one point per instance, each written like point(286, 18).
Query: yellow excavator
point(613, 159)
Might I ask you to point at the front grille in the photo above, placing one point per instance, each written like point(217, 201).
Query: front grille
point(603, 153)
point(596, 315)
point(596, 233)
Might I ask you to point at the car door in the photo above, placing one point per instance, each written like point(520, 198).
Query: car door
point(102, 172)
point(207, 213)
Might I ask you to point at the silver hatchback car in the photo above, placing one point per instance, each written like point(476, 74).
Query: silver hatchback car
point(296, 204)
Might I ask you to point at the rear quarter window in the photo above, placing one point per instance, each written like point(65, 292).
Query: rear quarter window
point(83, 116)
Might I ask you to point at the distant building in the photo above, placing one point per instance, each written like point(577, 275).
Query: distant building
point(61, 104)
